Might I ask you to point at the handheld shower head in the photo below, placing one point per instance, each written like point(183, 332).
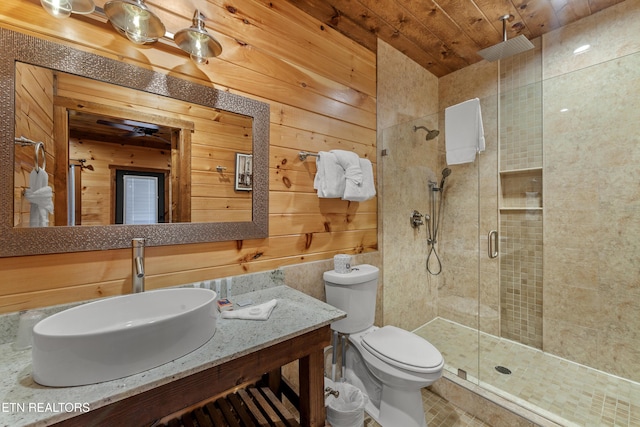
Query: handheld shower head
point(445, 173)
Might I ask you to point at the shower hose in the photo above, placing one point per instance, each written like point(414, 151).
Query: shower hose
point(434, 252)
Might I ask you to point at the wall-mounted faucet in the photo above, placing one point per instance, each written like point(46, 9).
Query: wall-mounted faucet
point(137, 265)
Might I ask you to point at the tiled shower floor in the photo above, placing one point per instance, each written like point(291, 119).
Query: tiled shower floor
point(567, 393)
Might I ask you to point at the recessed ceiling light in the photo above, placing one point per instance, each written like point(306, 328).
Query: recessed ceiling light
point(582, 49)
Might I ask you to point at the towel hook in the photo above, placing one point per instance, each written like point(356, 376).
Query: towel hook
point(36, 157)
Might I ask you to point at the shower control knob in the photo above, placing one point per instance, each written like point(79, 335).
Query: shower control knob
point(416, 219)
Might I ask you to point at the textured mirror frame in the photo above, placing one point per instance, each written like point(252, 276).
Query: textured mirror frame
point(18, 47)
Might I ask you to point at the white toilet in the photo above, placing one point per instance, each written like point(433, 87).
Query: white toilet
point(388, 364)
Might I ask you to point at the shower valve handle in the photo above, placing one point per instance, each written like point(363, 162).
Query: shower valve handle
point(416, 219)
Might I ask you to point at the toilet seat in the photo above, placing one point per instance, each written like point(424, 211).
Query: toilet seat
point(403, 349)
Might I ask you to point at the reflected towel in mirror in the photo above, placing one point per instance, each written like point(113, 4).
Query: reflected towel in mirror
point(40, 195)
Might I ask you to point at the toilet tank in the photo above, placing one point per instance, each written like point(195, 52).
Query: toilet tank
point(355, 294)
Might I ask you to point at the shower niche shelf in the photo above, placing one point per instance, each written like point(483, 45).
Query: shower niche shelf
point(509, 172)
point(520, 209)
point(521, 189)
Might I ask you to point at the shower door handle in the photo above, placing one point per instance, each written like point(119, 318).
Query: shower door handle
point(492, 244)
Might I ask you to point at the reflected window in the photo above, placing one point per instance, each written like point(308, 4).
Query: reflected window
point(139, 197)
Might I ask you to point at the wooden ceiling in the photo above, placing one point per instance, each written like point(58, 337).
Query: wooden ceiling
point(91, 127)
point(445, 35)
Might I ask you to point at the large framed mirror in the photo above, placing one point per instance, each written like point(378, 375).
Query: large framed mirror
point(125, 153)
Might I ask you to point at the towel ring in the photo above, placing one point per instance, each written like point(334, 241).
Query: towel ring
point(36, 156)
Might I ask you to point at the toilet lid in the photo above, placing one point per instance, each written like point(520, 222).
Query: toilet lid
point(403, 349)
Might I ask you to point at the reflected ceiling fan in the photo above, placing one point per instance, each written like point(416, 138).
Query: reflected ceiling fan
point(134, 128)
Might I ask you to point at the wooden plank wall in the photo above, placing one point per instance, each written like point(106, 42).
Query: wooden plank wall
point(215, 139)
point(97, 200)
point(34, 120)
point(321, 88)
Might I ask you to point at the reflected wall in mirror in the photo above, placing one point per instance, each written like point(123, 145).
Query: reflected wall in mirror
point(98, 135)
point(101, 119)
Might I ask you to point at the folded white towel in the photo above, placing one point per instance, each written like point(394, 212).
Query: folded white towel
point(364, 191)
point(350, 162)
point(40, 195)
point(353, 175)
point(464, 132)
point(329, 180)
point(257, 312)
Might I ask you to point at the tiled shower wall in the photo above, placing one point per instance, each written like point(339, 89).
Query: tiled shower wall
point(520, 159)
point(407, 97)
point(468, 292)
point(592, 191)
point(521, 277)
point(588, 189)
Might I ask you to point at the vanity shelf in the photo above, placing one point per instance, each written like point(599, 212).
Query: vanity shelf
point(249, 407)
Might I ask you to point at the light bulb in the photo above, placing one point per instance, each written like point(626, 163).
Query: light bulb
point(197, 42)
point(197, 54)
point(198, 59)
point(57, 8)
point(137, 27)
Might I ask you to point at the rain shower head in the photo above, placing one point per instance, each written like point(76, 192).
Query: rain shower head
point(431, 134)
point(506, 48)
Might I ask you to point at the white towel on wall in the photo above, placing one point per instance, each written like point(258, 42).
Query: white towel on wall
point(40, 195)
point(329, 180)
point(366, 190)
point(464, 132)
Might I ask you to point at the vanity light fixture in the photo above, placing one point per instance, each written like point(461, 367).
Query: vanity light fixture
point(64, 8)
point(133, 19)
point(197, 42)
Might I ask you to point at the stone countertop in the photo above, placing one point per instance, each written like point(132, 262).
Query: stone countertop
point(26, 403)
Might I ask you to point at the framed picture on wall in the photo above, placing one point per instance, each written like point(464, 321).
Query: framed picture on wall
point(244, 172)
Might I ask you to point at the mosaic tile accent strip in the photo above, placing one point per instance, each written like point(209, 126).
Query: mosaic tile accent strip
point(521, 277)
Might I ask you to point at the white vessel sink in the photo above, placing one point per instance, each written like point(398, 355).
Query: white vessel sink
point(121, 336)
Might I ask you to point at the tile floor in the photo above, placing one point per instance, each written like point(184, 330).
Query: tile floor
point(563, 391)
point(440, 413)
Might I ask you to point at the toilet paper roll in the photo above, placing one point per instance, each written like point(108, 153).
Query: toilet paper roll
point(342, 263)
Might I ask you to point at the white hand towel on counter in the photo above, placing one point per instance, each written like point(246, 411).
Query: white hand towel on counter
point(364, 191)
point(257, 312)
point(464, 132)
point(329, 179)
